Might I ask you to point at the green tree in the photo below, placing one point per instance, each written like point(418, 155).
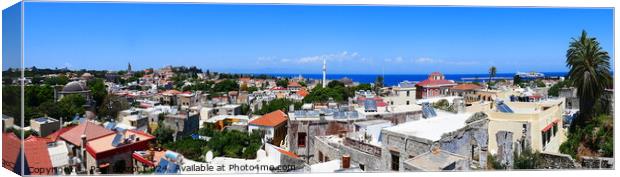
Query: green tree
point(597, 135)
point(72, 105)
point(362, 87)
point(60, 80)
point(589, 71)
point(540, 83)
point(527, 159)
point(554, 90)
point(282, 83)
point(98, 90)
point(276, 104)
point(378, 84)
point(190, 148)
point(226, 86)
point(516, 80)
point(492, 73)
point(335, 83)
point(322, 95)
point(252, 89)
point(245, 109)
point(112, 105)
point(163, 135)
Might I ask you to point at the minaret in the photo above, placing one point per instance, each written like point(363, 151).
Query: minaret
point(128, 67)
point(324, 73)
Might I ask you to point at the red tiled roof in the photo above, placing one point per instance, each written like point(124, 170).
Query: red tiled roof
point(288, 153)
point(37, 156)
point(171, 92)
point(271, 119)
point(278, 88)
point(54, 136)
point(143, 160)
point(245, 79)
point(428, 82)
point(294, 84)
point(467, 86)
point(303, 92)
point(10, 150)
point(91, 130)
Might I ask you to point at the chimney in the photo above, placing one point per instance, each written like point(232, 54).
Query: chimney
point(83, 150)
point(346, 161)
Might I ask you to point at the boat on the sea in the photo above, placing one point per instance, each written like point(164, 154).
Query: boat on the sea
point(530, 75)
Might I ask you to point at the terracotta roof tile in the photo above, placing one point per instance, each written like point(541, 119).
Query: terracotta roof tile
point(37, 155)
point(54, 136)
point(467, 86)
point(271, 119)
point(429, 82)
point(91, 130)
point(294, 84)
point(288, 153)
point(10, 150)
point(303, 92)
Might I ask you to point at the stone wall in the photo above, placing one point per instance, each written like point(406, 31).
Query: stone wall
point(597, 162)
point(556, 161)
point(505, 150)
point(470, 141)
point(333, 151)
point(312, 129)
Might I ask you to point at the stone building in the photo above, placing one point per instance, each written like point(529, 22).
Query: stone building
point(461, 134)
point(72, 88)
point(461, 140)
point(303, 125)
point(570, 96)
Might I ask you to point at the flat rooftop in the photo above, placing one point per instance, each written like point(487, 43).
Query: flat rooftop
point(436, 99)
point(371, 122)
point(105, 143)
point(432, 128)
point(391, 109)
point(222, 117)
point(434, 161)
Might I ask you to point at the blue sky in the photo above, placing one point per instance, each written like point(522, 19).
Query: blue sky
point(295, 39)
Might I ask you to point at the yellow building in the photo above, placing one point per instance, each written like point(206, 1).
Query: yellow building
point(540, 123)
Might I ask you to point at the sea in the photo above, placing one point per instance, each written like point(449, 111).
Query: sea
point(395, 79)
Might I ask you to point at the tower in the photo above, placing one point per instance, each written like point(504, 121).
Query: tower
point(324, 73)
point(128, 67)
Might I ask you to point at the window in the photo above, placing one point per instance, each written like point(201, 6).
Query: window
point(407, 92)
point(544, 138)
point(320, 156)
point(407, 102)
point(555, 129)
point(301, 139)
point(362, 167)
point(395, 161)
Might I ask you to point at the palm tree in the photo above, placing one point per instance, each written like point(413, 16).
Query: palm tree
point(492, 73)
point(589, 72)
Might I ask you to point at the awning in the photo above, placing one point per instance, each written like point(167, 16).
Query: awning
point(555, 121)
point(141, 159)
point(104, 165)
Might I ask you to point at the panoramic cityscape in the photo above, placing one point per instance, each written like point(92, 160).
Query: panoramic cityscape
point(222, 88)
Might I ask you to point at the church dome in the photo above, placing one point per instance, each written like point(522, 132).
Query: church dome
point(75, 86)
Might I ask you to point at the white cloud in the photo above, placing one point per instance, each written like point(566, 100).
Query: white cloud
point(340, 56)
point(427, 60)
point(394, 60)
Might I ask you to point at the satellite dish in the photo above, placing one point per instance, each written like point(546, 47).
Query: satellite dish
point(209, 156)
